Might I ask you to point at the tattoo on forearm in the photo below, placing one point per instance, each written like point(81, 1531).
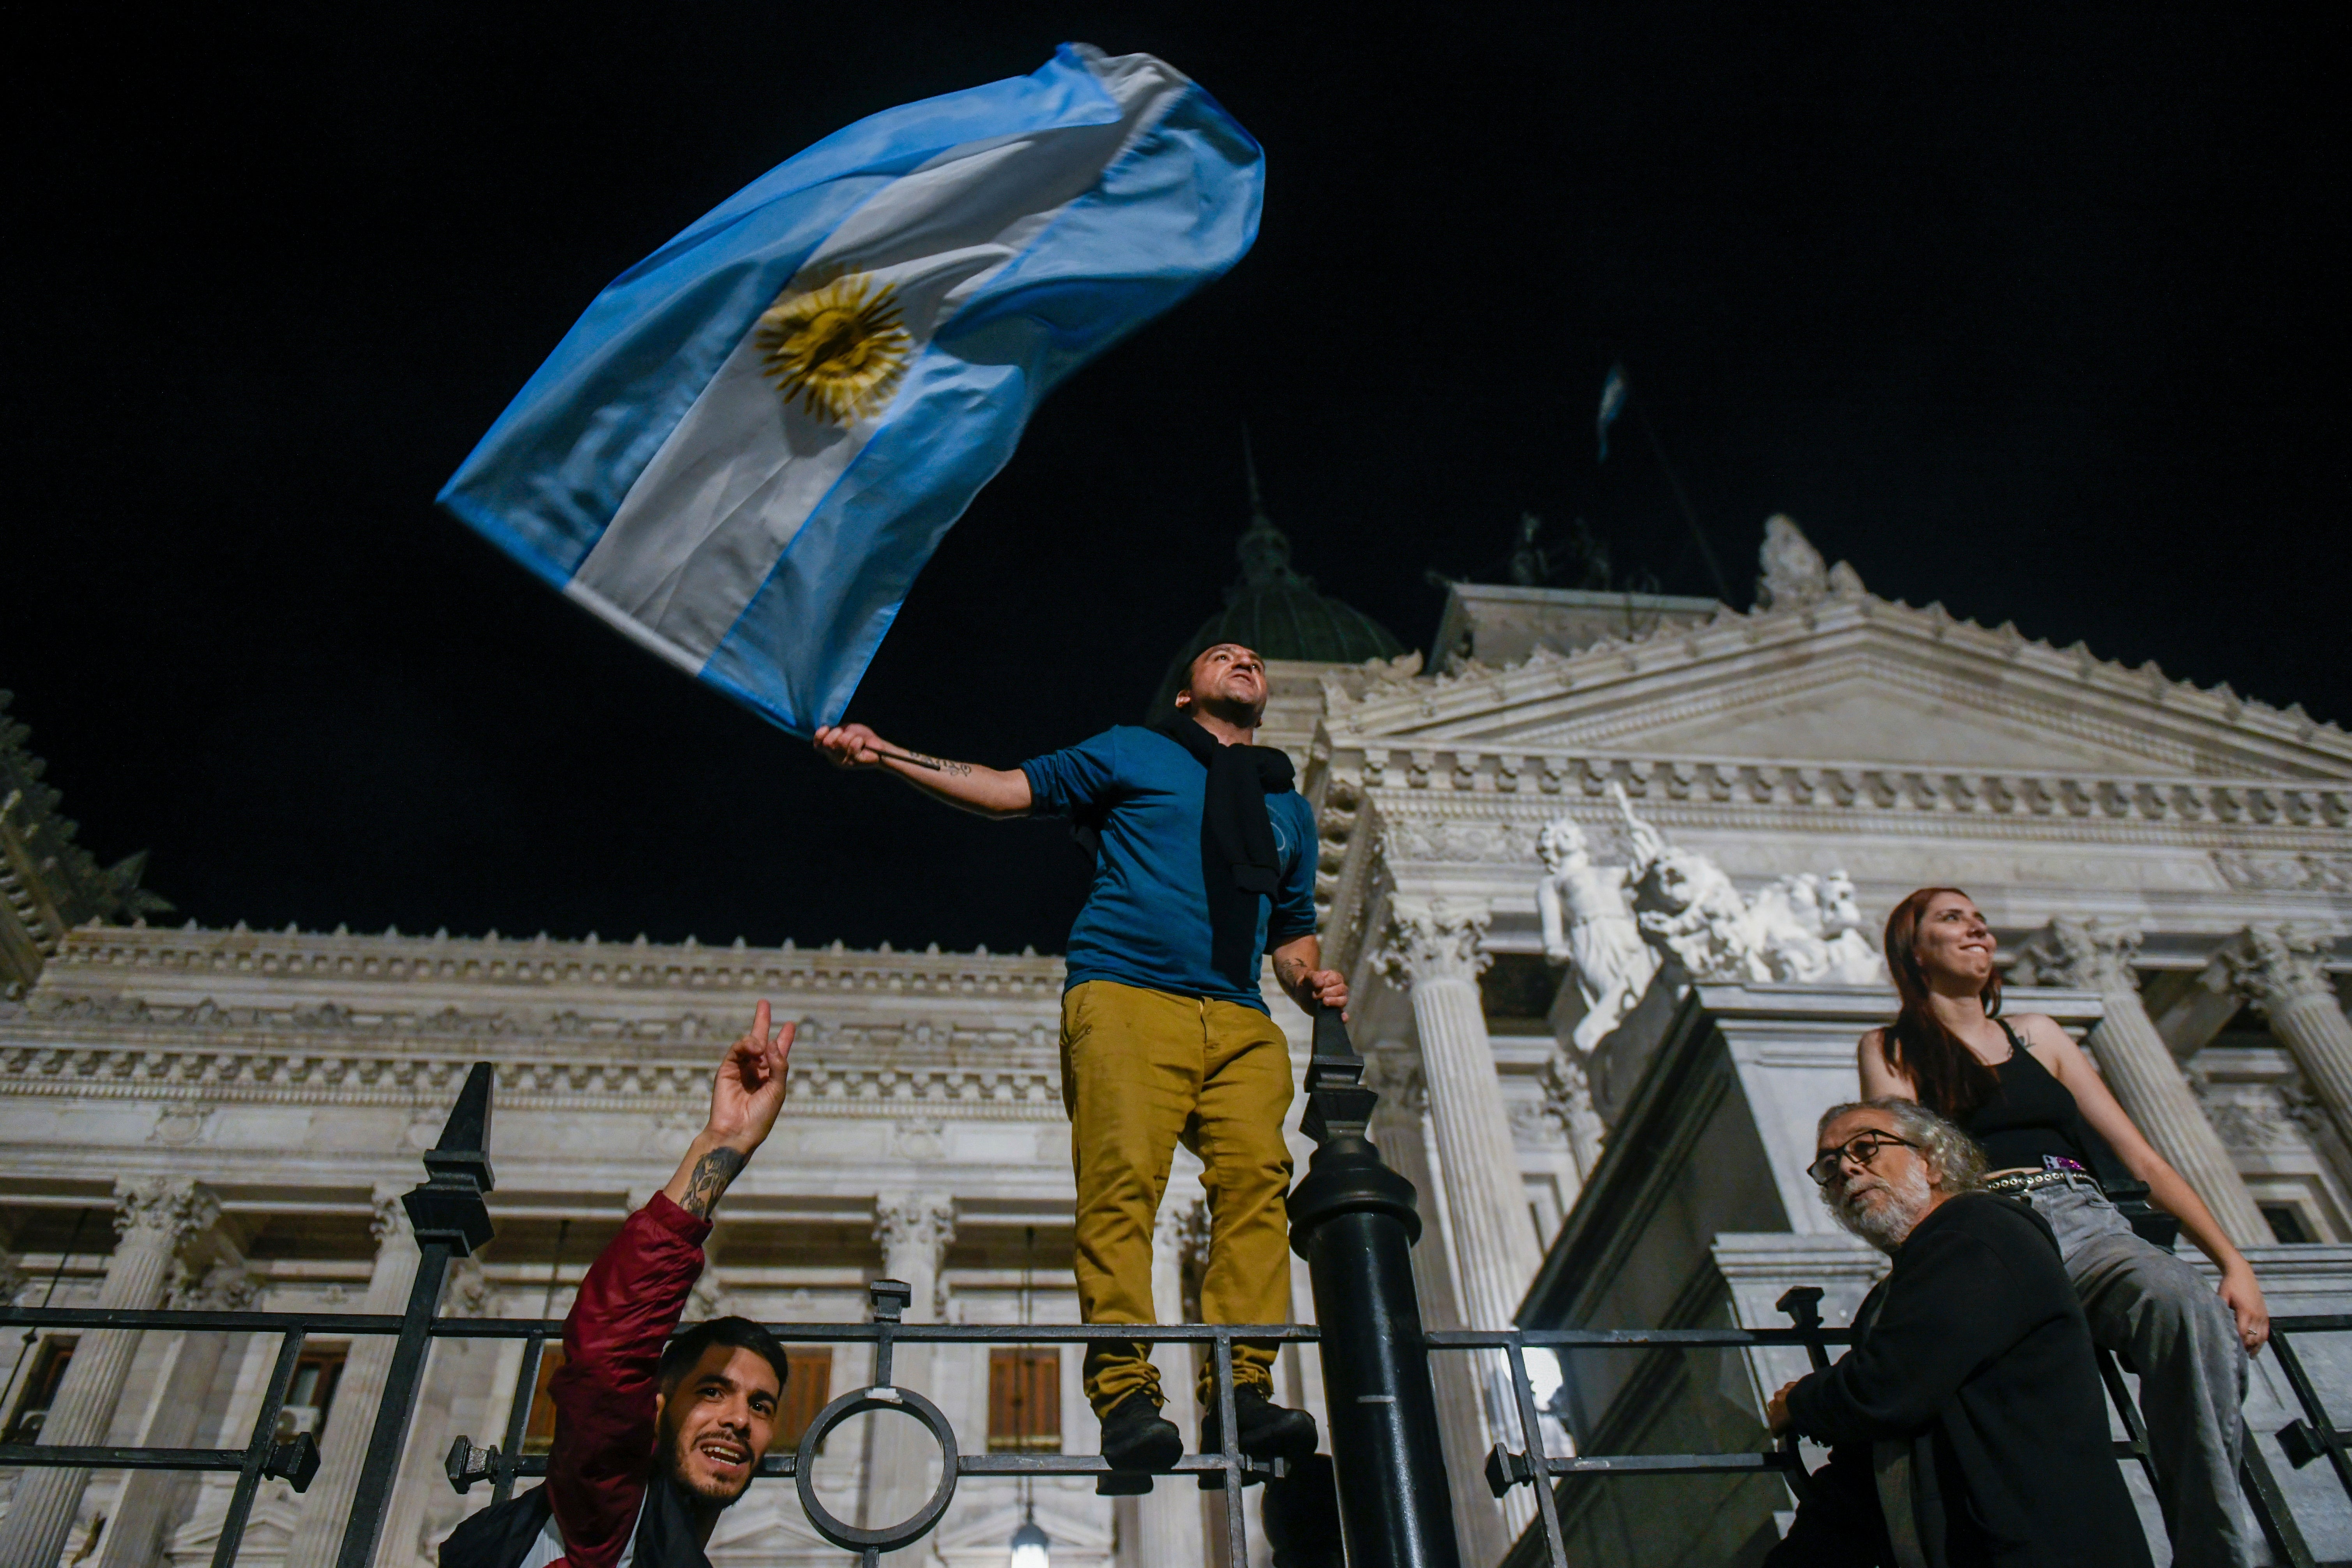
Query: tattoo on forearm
point(709, 1180)
point(942, 764)
point(1292, 974)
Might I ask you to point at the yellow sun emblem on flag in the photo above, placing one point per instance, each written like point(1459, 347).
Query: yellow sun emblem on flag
point(838, 346)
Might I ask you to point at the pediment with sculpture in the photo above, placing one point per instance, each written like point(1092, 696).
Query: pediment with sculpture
point(1824, 672)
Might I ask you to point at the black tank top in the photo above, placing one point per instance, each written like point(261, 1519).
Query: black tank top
point(2031, 1117)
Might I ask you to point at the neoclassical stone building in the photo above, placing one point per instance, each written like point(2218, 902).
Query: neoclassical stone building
point(225, 1116)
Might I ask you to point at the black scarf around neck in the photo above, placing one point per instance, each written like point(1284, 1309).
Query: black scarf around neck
point(1239, 860)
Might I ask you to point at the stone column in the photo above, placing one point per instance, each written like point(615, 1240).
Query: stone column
point(150, 1498)
point(2280, 968)
point(1401, 1131)
point(327, 1506)
point(156, 1216)
point(2097, 955)
point(1161, 1528)
point(915, 1229)
point(454, 1367)
point(1433, 949)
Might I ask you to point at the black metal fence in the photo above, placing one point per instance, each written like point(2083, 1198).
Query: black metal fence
point(2304, 1439)
point(1352, 1219)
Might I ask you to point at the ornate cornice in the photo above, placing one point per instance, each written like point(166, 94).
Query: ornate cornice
point(1018, 1082)
point(308, 1019)
point(637, 1035)
point(95, 954)
point(1473, 804)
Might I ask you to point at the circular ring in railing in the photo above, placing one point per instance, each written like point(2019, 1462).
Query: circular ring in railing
point(856, 1402)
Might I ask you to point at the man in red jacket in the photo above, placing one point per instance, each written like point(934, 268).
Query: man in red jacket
point(652, 1443)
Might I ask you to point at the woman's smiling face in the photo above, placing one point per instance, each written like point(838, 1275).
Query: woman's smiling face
point(1954, 939)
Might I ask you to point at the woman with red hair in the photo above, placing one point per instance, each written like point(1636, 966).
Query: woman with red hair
point(2027, 1093)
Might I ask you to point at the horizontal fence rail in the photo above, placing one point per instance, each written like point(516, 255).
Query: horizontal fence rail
point(468, 1464)
point(1352, 1220)
point(2304, 1439)
point(2311, 1436)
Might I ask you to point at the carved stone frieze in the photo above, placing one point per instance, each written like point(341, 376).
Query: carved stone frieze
point(2013, 801)
point(2284, 873)
point(918, 1139)
point(1021, 1083)
point(56, 1005)
point(1476, 843)
point(177, 1126)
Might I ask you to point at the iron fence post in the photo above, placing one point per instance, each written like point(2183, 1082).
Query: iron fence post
point(1352, 1219)
point(450, 1220)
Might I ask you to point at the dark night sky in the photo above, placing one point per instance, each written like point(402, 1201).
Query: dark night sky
point(2038, 312)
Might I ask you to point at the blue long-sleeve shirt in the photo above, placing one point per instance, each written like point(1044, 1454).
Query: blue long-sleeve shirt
point(1146, 919)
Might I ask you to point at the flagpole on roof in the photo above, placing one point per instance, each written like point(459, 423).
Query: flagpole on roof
point(1619, 392)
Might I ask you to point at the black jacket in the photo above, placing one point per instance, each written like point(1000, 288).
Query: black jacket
point(500, 1536)
point(1974, 1392)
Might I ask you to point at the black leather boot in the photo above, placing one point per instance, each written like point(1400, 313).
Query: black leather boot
point(1267, 1431)
point(1136, 1437)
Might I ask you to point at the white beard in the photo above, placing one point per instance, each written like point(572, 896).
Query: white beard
point(1887, 1221)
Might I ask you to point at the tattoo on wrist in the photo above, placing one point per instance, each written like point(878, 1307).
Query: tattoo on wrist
point(708, 1179)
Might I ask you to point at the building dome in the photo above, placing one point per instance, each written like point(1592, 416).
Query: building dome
point(1276, 612)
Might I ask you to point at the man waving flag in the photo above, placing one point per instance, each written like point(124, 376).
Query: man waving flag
point(745, 450)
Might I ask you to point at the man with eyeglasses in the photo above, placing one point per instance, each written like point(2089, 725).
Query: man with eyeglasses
point(1967, 1424)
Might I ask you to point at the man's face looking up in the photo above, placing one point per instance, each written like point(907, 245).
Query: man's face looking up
point(716, 1423)
point(1227, 677)
point(1880, 1199)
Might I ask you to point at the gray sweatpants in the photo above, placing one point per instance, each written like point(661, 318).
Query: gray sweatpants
point(2160, 1312)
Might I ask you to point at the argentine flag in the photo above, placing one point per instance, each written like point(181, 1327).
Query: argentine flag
point(745, 450)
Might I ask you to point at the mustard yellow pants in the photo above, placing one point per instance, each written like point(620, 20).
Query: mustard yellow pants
point(1142, 1070)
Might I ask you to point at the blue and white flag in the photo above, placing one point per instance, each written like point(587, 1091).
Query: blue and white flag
point(745, 450)
point(1613, 404)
